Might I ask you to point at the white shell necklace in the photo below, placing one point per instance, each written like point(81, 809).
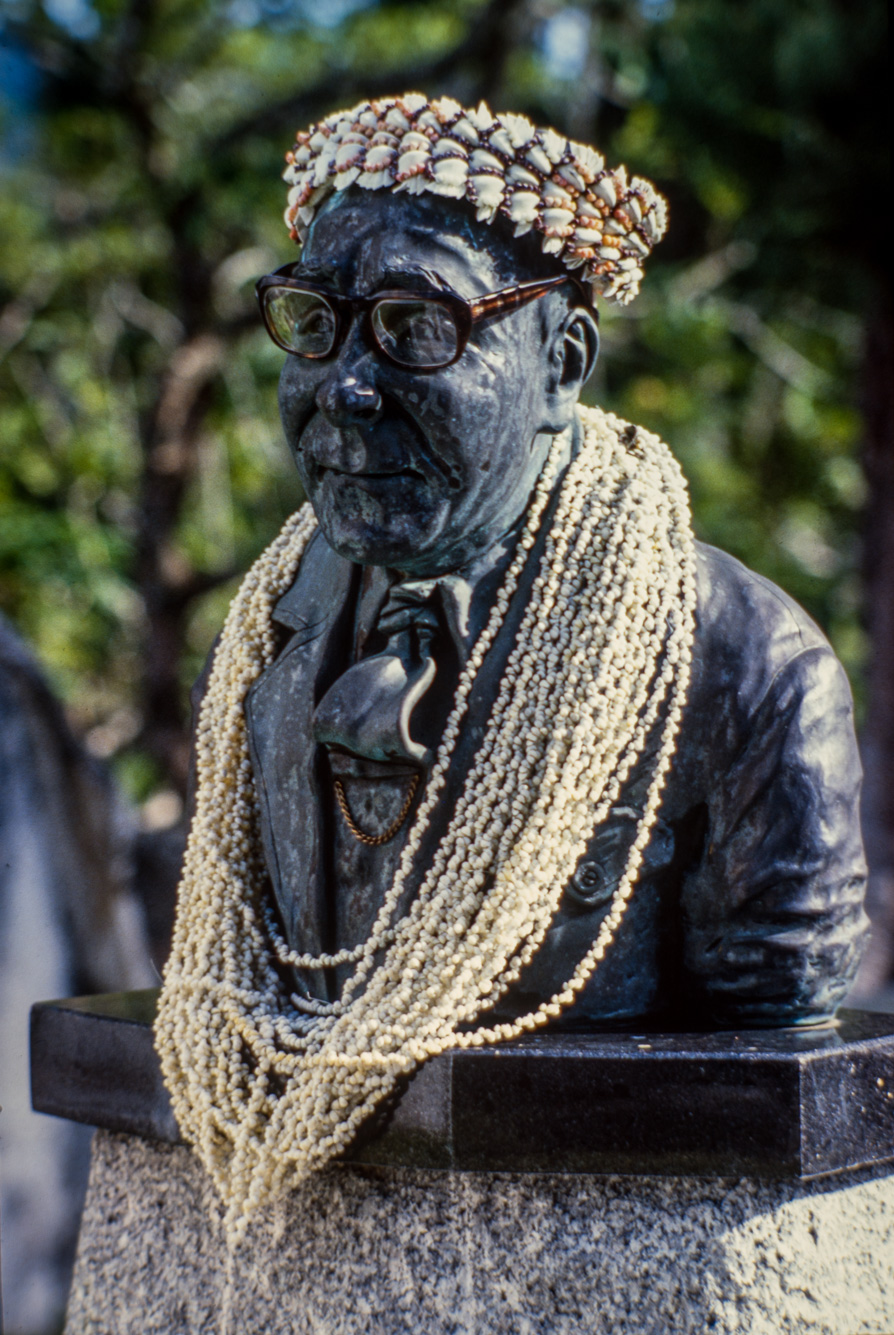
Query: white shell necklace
point(267, 1086)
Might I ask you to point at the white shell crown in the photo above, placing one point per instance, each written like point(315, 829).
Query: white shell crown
point(592, 217)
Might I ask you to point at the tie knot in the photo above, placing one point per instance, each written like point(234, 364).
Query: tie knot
point(410, 603)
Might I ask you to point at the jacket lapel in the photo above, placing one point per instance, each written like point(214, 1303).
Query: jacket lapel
point(279, 710)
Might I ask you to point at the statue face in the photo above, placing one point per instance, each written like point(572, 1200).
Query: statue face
point(420, 470)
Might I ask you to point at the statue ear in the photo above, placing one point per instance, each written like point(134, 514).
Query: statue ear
point(581, 347)
point(573, 356)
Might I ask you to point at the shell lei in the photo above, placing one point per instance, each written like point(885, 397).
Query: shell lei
point(266, 1091)
point(591, 217)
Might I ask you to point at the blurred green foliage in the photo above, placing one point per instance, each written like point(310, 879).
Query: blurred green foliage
point(140, 198)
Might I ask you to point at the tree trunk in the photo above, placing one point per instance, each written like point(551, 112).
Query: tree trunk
point(878, 578)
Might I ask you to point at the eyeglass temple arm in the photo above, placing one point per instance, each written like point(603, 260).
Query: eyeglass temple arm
point(511, 297)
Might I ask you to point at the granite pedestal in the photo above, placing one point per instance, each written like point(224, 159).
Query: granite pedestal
point(577, 1183)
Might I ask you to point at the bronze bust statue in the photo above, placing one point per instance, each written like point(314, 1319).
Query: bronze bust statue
point(749, 906)
point(429, 396)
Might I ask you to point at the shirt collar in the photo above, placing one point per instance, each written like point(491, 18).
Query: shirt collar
point(465, 595)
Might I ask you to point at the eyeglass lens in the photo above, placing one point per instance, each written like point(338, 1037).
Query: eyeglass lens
point(415, 333)
point(411, 331)
point(304, 322)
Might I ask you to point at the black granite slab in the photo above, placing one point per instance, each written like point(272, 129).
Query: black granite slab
point(797, 1103)
point(93, 1060)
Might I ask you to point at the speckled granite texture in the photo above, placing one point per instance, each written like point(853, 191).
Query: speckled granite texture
point(388, 1251)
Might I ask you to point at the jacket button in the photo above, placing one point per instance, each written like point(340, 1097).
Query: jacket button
point(589, 885)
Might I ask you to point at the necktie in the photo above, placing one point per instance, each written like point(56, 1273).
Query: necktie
point(368, 710)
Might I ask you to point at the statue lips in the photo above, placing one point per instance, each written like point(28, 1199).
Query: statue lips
point(370, 483)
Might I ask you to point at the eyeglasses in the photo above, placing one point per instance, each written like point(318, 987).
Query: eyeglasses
point(422, 331)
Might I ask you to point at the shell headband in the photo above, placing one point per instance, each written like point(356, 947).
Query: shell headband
point(591, 217)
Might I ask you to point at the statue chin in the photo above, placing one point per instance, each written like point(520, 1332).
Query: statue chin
point(385, 520)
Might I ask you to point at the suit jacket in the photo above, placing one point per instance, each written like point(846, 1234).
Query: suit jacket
point(748, 909)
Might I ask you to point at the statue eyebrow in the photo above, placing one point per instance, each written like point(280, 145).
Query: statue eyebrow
point(408, 276)
point(316, 273)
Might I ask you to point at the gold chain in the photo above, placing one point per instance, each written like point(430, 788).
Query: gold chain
point(374, 840)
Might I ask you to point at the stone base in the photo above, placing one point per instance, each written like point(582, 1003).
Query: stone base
point(376, 1251)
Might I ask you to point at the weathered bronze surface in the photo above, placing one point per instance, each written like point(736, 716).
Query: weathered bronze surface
point(749, 906)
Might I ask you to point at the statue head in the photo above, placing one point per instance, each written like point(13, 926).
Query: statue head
point(420, 467)
point(419, 424)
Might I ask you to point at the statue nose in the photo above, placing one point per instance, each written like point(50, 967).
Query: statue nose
point(349, 395)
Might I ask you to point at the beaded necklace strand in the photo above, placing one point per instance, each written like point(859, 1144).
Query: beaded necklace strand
point(268, 1086)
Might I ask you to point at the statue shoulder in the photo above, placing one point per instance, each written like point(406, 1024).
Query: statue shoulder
point(757, 656)
point(741, 614)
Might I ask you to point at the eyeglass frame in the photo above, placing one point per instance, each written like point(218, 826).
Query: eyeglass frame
point(466, 314)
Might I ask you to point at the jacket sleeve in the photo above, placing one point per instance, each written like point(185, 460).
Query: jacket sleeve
point(773, 912)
